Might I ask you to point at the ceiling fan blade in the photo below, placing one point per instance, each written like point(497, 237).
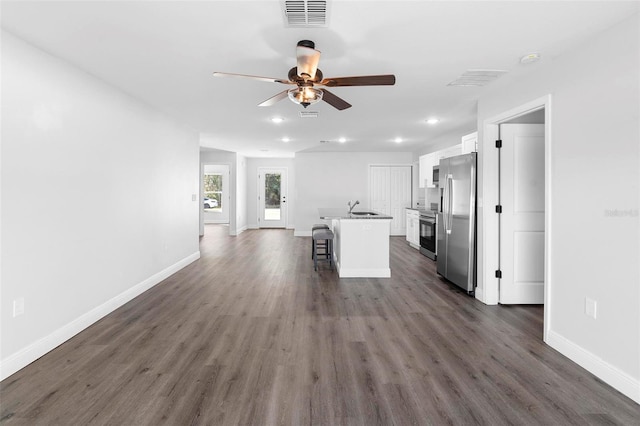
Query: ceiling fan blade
point(334, 100)
point(308, 59)
point(252, 77)
point(362, 80)
point(276, 98)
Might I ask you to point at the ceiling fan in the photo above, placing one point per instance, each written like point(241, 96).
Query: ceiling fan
point(306, 76)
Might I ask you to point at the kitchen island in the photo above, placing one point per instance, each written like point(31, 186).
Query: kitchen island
point(361, 242)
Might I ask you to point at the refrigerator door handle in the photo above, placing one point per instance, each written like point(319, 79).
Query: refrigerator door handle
point(449, 197)
point(445, 201)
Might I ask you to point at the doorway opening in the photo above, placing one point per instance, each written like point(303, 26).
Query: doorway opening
point(516, 256)
point(215, 201)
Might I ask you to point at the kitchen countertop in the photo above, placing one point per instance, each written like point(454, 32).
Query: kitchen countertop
point(343, 213)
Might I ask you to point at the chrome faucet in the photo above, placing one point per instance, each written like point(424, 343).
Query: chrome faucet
point(351, 207)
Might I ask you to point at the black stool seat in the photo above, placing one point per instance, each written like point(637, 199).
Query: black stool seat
point(313, 228)
point(322, 246)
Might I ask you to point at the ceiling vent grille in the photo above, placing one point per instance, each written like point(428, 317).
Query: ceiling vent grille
point(477, 77)
point(305, 13)
point(309, 114)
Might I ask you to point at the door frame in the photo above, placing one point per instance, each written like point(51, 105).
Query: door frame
point(490, 258)
point(284, 206)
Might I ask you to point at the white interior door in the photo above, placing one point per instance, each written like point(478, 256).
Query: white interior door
point(390, 193)
point(379, 183)
point(522, 219)
point(400, 198)
point(272, 197)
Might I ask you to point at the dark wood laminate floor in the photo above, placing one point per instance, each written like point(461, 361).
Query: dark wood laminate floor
point(250, 334)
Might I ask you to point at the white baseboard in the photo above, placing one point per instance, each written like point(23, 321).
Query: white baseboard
point(35, 350)
point(479, 294)
point(238, 231)
point(606, 372)
point(363, 273)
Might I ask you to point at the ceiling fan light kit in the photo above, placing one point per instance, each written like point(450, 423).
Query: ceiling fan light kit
point(305, 96)
point(306, 74)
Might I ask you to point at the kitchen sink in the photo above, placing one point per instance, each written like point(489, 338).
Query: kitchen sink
point(364, 213)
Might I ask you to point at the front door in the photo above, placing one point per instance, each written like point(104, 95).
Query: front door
point(272, 197)
point(522, 219)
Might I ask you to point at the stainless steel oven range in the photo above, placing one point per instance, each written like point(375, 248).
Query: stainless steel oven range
point(428, 239)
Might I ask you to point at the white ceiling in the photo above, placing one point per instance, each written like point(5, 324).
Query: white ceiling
point(164, 53)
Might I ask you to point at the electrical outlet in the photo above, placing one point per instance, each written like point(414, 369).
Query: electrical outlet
point(590, 307)
point(18, 306)
point(193, 197)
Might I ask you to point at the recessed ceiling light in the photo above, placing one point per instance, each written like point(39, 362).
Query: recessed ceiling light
point(433, 121)
point(531, 57)
point(342, 140)
point(398, 140)
point(277, 120)
point(286, 139)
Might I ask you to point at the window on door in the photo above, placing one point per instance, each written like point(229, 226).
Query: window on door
point(213, 192)
point(272, 187)
point(272, 197)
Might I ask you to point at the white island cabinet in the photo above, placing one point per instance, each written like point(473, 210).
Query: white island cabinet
point(360, 244)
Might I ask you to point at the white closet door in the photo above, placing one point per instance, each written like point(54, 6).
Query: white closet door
point(379, 186)
point(400, 198)
point(390, 193)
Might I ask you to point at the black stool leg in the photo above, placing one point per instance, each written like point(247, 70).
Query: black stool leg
point(315, 255)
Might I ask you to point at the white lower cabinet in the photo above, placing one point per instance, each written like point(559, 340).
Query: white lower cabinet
point(413, 228)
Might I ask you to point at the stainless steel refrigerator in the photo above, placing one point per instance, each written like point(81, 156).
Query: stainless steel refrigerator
point(456, 232)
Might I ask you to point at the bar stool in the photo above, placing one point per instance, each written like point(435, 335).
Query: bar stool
point(313, 228)
point(322, 246)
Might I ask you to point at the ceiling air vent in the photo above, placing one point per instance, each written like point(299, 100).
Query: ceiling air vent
point(477, 77)
point(305, 13)
point(309, 114)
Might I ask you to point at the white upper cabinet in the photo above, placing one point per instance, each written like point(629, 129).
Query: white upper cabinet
point(426, 169)
point(428, 161)
point(470, 143)
point(449, 152)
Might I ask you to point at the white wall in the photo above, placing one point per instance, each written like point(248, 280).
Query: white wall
point(594, 193)
point(99, 200)
point(253, 164)
point(330, 179)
